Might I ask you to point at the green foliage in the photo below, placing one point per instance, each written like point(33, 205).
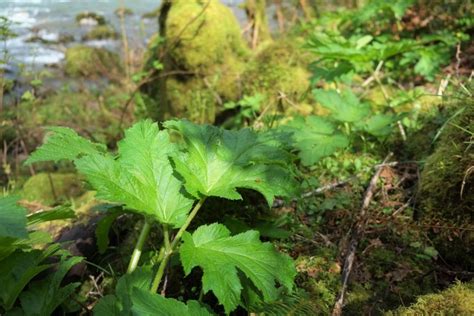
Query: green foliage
point(21, 261)
point(375, 8)
point(339, 55)
point(140, 178)
point(216, 162)
point(220, 255)
point(160, 174)
point(12, 218)
point(121, 302)
point(349, 119)
point(44, 296)
point(146, 303)
point(344, 106)
point(316, 138)
point(63, 144)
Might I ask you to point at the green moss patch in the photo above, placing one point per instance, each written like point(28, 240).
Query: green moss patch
point(51, 188)
point(101, 32)
point(456, 300)
point(204, 48)
point(85, 61)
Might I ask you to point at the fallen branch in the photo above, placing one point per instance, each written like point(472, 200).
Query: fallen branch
point(356, 235)
point(279, 202)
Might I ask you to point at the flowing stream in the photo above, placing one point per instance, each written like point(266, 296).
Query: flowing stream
point(48, 21)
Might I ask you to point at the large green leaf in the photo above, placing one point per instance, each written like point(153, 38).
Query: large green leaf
point(43, 297)
point(63, 144)
point(215, 162)
point(316, 138)
point(141, 177)
point(149, 304)
point(221, 256)
point(12, 218)
point(344, 107)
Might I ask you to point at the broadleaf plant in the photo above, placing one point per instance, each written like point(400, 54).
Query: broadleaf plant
point(161, 175)
point(220, 255)
point(349, 118)
point(25, 254)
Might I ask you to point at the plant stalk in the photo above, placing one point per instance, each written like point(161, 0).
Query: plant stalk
point(169, 248)
point(137, 251)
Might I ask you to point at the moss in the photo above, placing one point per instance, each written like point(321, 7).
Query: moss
point(446, 192)
point(100, 32)
point(92, 16)
point(444, 173)
point(51, 188)
point(67, 107)
point(279, 71)
point(203, 45)
point(456, 300)
point(85, 61)
point(320, 276)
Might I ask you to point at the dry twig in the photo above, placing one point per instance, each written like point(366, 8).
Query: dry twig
point(356, 235)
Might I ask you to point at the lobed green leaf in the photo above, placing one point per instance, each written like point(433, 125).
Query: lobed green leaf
point(216, 162)
point(222, 256)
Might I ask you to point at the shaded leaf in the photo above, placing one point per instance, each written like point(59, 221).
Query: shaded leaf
point(18, 269)
point(43, 297)
point(12, 218)
point(221, 256)
point(146, 303)
point(316, 138)
point(103, 228)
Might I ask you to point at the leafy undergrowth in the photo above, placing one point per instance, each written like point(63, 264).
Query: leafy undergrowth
point(180, 218)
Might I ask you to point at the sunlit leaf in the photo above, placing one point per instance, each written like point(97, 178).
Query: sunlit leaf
point(344, 106)
point(216, 162)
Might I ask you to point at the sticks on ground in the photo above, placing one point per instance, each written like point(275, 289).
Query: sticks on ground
point(356, 235)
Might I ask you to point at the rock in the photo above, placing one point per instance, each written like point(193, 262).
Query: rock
point(85, 61)
point(90, 19)
point(52, 188)
point(278, 70)
point(446, 194)
point(123, 11)
point(100, 32)
point(205, 51)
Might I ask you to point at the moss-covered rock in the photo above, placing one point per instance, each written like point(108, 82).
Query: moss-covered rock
point(456, 300)
point(101, 32)
point(51, 188)
point(446, 195)
point(90, 18)
point(85, 61)
point(447, 187)
point(279, 71)
point(203, 55)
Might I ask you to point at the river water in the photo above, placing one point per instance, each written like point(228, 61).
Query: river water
point(52, 19)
